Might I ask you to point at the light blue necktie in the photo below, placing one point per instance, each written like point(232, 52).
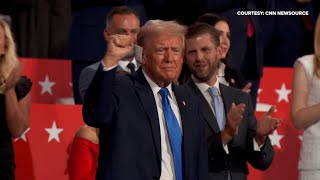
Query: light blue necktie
point(219, 111)
point(174, 132)
point(217, 106)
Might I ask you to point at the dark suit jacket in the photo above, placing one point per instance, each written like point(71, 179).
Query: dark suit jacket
point(232, 74)
point(124, 109)
point(240, 148)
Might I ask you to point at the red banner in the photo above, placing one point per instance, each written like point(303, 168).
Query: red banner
point(51, 79)
point(41, 153)
point(275, 89)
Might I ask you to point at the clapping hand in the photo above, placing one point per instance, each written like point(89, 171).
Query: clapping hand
point(266, 125)
point(234, 118)
point(14, 76)
point(247, 88)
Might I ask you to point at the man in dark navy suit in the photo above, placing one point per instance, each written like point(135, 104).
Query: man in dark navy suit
point(150, 128)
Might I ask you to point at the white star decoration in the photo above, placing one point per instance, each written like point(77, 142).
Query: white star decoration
point(46, 85)
point(23, 136)
point(283, 93)
point(275, 139)
point(263, 107)
point(54, 132)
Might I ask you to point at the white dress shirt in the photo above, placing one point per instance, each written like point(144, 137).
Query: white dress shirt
point(221, 74)
point(123, 64)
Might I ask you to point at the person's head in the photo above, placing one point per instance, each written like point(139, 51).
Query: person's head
point(123, 21)
point(223, 26)
point(317, 48)
point(202, 52)
point(8, 56)
point(163, 48)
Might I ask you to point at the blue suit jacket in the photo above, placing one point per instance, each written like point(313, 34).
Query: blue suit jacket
point(124, 109)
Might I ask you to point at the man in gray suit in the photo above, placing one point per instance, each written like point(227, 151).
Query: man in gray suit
point(121, 20)
point(234, 136)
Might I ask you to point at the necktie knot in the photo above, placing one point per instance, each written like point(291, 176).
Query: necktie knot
point(217, 106)
point(132, 67)
point(213, 91)
point(164, 92)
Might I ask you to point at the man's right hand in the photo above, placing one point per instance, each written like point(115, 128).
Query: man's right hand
point(14, 76)
point(247, 88)
point(234, 118)
point(118, 47)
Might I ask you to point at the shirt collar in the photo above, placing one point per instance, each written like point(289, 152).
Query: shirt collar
point(204, 87)
point(155, 88)
point(222, 66)
point(123, 64)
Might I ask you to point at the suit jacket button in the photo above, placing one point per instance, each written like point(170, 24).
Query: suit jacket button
point(155, 177)
point(264, 155)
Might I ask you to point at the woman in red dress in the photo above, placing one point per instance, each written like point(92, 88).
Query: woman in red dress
point(84, 152)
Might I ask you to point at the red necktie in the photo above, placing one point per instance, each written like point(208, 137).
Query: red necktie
point(250, 28)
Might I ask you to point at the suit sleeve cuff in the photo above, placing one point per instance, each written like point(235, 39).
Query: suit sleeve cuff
point(104, 68)
point(225, 147)
point(256, 147)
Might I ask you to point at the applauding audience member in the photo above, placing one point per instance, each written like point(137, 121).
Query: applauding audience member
point(14, 101)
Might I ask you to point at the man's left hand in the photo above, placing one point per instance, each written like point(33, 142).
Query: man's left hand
point(266, 125)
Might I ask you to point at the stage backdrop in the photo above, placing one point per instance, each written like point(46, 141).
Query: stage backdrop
point(42, 151)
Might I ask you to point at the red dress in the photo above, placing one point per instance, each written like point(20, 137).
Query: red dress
point(83, 160)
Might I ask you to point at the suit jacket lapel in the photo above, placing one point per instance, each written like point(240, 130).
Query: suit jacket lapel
point(205, 107)
point(181, 101)
point(184, 105)
point(227, 97)
point(149, 105)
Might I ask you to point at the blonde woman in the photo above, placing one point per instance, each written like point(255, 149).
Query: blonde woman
point(14, 101)
point(305, 109)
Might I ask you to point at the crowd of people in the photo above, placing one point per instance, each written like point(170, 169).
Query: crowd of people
point(169, 101)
